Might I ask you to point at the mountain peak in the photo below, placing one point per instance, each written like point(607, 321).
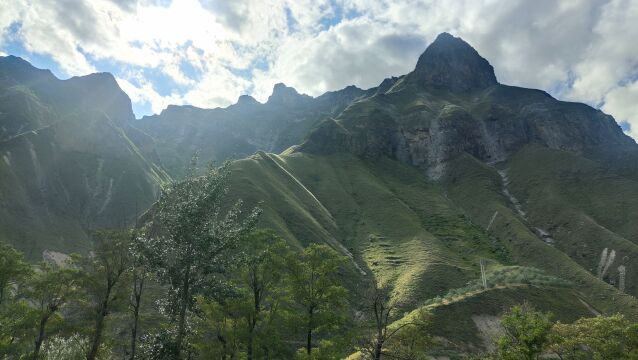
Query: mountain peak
point(22, 71)
point(285, 95)
point(100, 91)
point(247, 100)
point(450, 62)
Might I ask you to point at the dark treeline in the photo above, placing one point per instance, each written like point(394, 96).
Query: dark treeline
point(199, 281)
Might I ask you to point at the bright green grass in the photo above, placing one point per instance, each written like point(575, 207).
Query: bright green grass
point(396, 224)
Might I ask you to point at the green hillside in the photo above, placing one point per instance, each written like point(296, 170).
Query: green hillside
point(423, 238)
point(68, 165)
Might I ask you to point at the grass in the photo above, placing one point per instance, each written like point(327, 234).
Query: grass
point(423, 239)
point(476, 188)
point(396, 224)
point(587, 207)
point(413, 236)
point(54, 182)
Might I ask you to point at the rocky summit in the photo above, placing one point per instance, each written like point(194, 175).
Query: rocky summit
point(451, 63)
point(452, 104)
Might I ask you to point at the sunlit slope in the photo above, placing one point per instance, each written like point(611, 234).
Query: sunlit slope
point(396, 224)
point(423, 238)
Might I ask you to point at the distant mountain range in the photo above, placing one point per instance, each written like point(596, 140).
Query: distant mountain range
point(417, 181)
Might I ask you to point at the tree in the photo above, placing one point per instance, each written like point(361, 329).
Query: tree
point(195, 233)
point(315, 288)
point(219, 330)
point(247, 321)
point(527, 333)
point(16, 316)
point(601, 337)
point(411, 339)
point(13, 271)
point(49, 290)
point(388, 338)
point(139, 275)
point(260, 281)
point(103, 271)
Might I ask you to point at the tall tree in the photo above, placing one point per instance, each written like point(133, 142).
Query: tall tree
point(16, 316)
point(248, 321)
point(197, 233)
point(527, 333)
point(103, 270)
point(315, 288)
point(13, 270)
point(139, 275)
point(260, 281)
point(389, 338)
point(49, 290)
point(380, 308)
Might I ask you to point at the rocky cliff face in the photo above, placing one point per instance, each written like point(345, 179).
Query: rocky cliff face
point(452, 104)
point(451, 63)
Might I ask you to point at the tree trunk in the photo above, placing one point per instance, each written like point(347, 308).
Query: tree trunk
point(181, 329)
point(136, 315)
point(378, 347)
point(309, 336)
point(40, 339)
point(99, 328)
point(249, 350)
point(252, 322)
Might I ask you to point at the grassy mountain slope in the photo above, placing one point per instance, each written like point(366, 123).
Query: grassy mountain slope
point(420, 237)
point(67, 162)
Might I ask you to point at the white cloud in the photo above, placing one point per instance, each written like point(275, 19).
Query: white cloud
point(144, 93)
point(622, 103)
point(215, 50)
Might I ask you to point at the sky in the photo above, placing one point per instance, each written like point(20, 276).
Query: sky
point(207, 53)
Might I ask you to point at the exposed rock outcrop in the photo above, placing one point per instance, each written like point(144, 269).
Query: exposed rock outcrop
point(452, 104)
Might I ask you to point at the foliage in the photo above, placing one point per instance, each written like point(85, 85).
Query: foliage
point(220, 334)
point(13, 270)
point(404, 339)
point(193, 240)
point(50, 289)
point(103, 272)
point(601, 337)
point(527, 333)
point(73, 347)
point(16, 317)
point(316, 290)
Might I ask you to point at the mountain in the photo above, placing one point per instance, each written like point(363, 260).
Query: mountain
point(71, 162)
point(444, 168)
point(451, 104)
point(242, 128)
point(420, 182)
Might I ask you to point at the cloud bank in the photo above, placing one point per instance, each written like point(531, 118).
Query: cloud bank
point(208, 52)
